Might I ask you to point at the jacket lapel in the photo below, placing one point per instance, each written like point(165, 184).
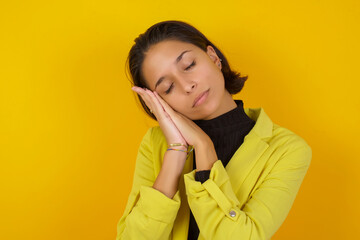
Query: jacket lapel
point(250, 151)
point(238, 167)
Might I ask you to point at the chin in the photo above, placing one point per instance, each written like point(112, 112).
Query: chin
point(206, 112)
point(211, 109)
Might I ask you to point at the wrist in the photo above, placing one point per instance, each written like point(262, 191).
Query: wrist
point(205, 156)
point(204, 144)
point(179, 147)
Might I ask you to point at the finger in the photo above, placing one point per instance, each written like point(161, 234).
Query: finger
point(165, 105)
point(144, 96)
point(176, 117)
point(161, 110)
point(157, 105)
point(156, 101)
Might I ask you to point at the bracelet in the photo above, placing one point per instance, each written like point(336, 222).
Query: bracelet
point(180, 144)
point(177, 144)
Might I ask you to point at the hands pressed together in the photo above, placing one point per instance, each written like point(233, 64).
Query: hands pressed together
point(176, 127)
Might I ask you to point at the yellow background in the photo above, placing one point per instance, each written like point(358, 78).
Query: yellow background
point(70, 126)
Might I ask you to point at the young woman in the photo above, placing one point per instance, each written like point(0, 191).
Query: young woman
point(212, 169)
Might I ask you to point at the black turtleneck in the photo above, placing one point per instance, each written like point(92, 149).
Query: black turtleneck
point(227, 133)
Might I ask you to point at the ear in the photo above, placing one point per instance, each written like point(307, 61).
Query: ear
point(214, 57)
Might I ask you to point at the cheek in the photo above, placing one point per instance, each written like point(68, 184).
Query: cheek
point(212, 75)
point(180, 104)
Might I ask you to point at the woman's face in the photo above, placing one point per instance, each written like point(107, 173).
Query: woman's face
point(180, 72)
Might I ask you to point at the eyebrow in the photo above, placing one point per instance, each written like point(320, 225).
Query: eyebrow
point(178, 59)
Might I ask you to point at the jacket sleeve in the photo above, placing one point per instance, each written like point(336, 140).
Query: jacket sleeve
point(216, 208)
point(149, 214)
point(202, 176)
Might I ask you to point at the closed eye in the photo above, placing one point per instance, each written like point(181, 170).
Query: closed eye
point(172, 85)
point(168, 91)
point(191, 65)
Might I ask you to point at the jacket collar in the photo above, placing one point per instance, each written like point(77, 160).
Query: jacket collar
point(254, 142)
point(238, 168)
point(250, 152)
point(263, 126)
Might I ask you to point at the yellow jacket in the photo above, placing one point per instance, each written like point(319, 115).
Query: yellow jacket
point(248, 199)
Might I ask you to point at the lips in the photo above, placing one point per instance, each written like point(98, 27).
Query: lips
point(198, 97)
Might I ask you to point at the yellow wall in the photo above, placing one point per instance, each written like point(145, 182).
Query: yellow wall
point(70, 126)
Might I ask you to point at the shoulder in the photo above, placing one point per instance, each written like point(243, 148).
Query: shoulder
point(289, 144)
point(155, 134)
point(153, 139)
point(276, 136)
point(285, 136)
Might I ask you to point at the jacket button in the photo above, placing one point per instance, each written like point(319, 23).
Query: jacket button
point(232, 213)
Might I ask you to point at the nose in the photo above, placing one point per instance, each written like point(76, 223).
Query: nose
point(186, 83)
point(192, 87)
point(189, 86)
